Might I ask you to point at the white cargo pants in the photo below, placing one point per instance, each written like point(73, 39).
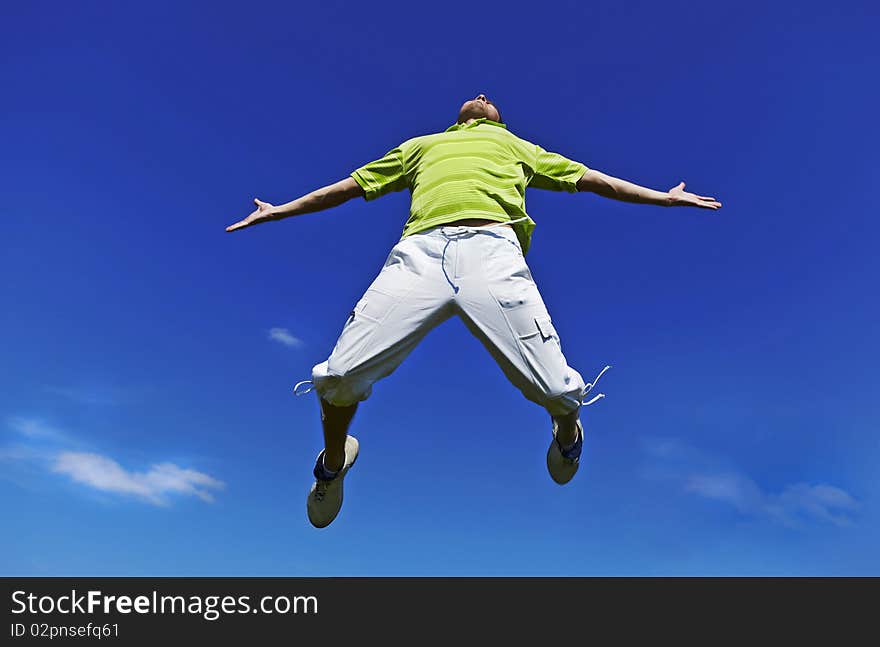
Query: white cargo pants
point(477, 273)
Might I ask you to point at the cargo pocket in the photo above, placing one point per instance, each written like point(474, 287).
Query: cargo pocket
point(374, 306)
point(362, 325)
point(537, 330)
point(546, 328)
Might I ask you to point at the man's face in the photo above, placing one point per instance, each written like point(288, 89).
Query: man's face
point(479, 106)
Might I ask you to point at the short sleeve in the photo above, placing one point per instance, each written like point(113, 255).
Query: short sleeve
point(554, 172)
point(382, 175)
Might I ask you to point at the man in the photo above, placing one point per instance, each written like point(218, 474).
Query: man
point(461, 253)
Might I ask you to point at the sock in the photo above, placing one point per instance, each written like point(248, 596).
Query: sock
point(572, 451)
point(321, 472)
point(327, 471)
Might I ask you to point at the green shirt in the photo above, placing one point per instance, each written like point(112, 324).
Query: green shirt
point(475, 170)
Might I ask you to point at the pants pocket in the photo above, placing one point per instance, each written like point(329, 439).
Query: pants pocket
point(546, 328)
point(521, 304)
point(539, 329)
point(374, 306)
point(363, 323)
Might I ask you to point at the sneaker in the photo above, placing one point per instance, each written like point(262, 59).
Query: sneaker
point(325, 497)
point(563, 465)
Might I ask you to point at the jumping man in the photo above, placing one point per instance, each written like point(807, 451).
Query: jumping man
point(461, 253)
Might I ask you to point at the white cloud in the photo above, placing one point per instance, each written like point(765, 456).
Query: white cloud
point(283, 336)
point(735, 489)
point(153, 486)
point(703, 475)
point(45, 447)
point(823, 502)
point(35, 429)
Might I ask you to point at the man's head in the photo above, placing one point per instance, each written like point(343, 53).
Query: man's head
point(479, 106)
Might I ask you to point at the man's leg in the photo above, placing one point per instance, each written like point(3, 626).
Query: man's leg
point(406, 300)
point(501, 305)
point(335, 421)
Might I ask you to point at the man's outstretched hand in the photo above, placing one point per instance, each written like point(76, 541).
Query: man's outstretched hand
point(681, 198)
point(262, 213)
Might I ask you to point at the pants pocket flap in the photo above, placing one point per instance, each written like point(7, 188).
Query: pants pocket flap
point(545, 326)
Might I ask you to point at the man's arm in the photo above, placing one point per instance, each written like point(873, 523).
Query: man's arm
point(611, 187)
point(326, 197)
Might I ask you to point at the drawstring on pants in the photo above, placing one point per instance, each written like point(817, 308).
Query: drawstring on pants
point(443, 265)
point(589, 387)
point(467, 230)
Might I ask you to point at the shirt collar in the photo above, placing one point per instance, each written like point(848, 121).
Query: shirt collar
point(481, 120)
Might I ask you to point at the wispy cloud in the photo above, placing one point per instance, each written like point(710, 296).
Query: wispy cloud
point(35, 429)
point(735, 489)
point(283, 336)
point(822, 502)
point(20, 452)
point(706, 476)
point(45, 447)
point(154, 485)
point(97, 394)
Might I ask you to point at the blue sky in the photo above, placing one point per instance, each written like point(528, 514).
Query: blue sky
point(147, 425)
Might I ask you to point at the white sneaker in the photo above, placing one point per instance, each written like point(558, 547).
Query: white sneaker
point(563, 465)
point(325, 497)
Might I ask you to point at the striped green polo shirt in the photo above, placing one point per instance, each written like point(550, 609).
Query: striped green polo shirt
point(474, 170)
